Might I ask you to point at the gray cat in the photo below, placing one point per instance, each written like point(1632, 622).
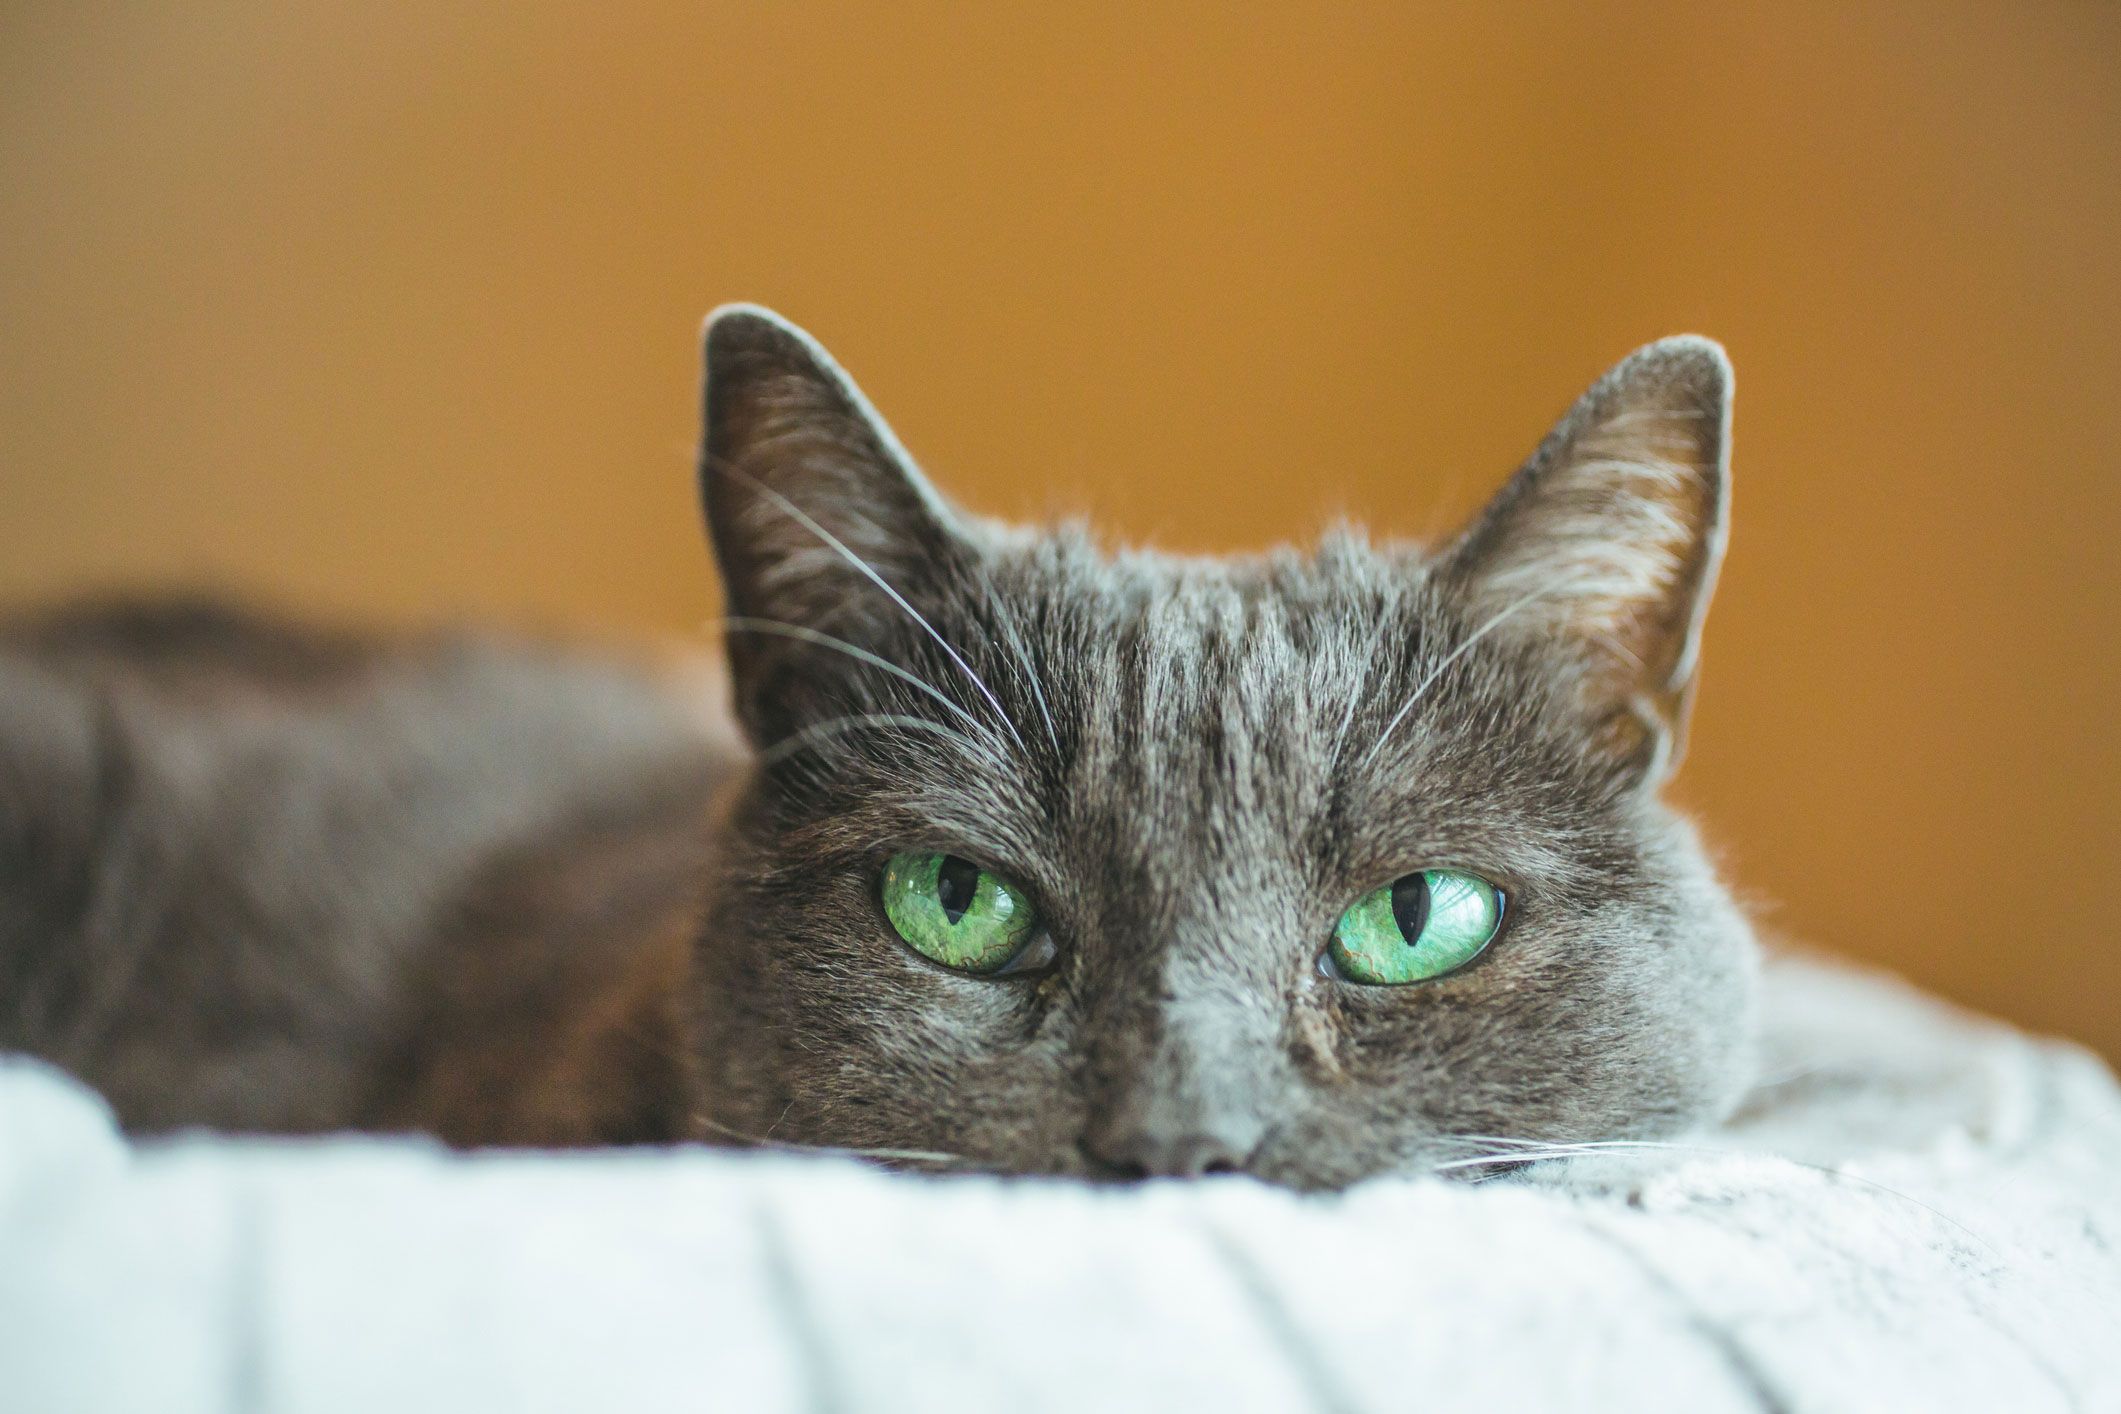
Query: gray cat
point(1306, 866)
point(1048, 859)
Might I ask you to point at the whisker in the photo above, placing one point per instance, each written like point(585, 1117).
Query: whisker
point(833, 726)
point(1470, 1139)
point(802, 518)
point(929, 1156)
point(1536, 1151)
point(739, 624)
point(1347, 714)
point(1529, 1155)
point(1459, 652)
point(1023, 658)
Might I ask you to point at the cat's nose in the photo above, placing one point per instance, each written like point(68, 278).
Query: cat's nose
point(1133, 1151)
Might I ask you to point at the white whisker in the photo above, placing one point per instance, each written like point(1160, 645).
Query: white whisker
point(1529, 1155)
point(1459, 652)
point(832, 726)
point(927, 1156)
point(1347, 714)
point(1023, 658)
point(803, 519)
point(1523, 1151)
point(775, 627)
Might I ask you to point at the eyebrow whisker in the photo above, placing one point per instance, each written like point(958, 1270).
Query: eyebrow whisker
point(833, 726)
point(833, 542)
point(1460, 651)
point(1023, 657)
point(740, 624)
point(789, 1146)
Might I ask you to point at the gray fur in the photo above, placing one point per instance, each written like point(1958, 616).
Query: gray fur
point(1195, 765)
point(260, 877)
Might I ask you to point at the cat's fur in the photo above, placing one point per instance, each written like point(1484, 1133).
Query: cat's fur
point(1193, 766)
point(260, 878)
point(294, 883)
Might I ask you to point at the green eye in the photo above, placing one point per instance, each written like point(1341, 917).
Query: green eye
point(951, 911)
point(1416, 928)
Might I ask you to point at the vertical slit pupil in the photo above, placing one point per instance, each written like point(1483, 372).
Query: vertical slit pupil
point(1410, 906)
point(955, 885)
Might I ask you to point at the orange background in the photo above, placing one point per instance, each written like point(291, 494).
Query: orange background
point(393, 315)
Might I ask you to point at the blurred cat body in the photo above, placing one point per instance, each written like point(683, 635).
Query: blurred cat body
point(478, 889)
point(264, 877)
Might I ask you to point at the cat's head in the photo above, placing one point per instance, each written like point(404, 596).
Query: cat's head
point(1310, 865)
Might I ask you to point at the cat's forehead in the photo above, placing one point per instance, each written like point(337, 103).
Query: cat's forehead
point(1275, 709)
point(1273, 609)
point(1163, 650)
point(1197, 689)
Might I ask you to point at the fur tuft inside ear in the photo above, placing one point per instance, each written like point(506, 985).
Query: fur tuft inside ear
point(819, 518)
point(1608, 540)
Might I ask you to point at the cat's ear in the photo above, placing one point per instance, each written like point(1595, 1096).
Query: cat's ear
point(818, 517)
point(1609, 538)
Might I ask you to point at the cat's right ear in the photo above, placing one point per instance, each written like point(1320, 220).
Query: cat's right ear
point(818, 517)
point(1608, 540)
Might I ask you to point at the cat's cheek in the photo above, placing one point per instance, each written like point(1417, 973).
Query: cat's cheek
point(989, 1014)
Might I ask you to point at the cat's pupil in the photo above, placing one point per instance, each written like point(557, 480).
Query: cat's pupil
point(955, 885)
point(1410, 905)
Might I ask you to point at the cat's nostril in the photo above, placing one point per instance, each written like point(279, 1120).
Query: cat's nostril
point(1140, 1156)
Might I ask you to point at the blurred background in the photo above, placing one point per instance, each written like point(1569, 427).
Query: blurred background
point(388, 312)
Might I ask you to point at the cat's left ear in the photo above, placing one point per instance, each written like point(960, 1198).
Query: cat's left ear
point(1609, 539)
point(819, 518)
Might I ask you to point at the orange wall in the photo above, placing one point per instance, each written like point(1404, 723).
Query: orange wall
point(394, 316)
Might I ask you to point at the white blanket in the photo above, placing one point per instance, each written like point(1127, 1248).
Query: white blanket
point(1918, 1211)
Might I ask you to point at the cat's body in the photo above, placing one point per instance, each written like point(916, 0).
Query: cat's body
point(262, 877)
point(1178, 773)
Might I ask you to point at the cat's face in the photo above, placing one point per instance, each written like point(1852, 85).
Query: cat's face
point(1311, 866)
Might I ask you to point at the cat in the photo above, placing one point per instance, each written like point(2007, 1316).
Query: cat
point(1043, 858)
point(1119, 865)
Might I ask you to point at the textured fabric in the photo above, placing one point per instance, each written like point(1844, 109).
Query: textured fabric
point(1918, 1210)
